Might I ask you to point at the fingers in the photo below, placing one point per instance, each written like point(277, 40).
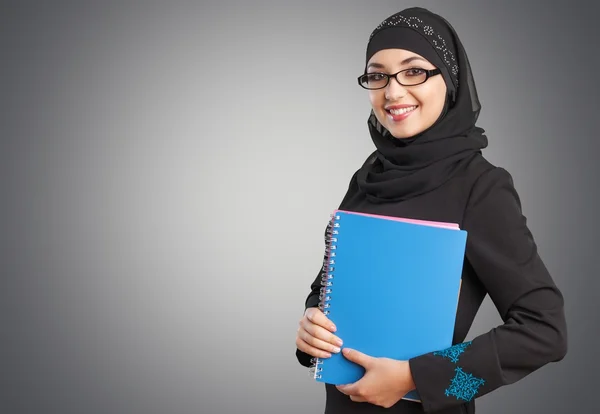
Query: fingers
point(349, 389)
point(356, 398)
point(353, 391)
point(311, 350)
point(318, 318)
point(314, 341)
point(321, 329)
point(358, 357)
point(315, 336)
point(319, 333)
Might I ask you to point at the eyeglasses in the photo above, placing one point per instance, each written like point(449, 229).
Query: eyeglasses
point(406, 77)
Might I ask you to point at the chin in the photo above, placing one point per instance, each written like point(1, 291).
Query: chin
point(402, 130)
point(400, 133)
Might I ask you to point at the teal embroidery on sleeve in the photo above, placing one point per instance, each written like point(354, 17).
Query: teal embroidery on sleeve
point(453, 352)
point(464, 386)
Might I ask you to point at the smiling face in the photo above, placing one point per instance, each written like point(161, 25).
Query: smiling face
point(405, 111)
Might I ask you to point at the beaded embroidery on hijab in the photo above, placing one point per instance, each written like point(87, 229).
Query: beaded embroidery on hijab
point(403, 168)
point(413, 22)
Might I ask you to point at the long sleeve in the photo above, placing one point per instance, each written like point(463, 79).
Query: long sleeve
point(503, 253)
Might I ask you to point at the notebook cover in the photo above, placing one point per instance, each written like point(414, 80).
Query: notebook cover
point(394, 291)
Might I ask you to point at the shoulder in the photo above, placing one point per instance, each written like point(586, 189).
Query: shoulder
point(370, 159)
point(487, 177)
point(494, 205)
point(494, 182)
point(368, 162)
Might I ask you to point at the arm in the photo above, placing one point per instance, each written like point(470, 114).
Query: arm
point(503, 253)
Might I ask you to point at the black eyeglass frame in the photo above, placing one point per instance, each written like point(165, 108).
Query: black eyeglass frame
point(428, 74)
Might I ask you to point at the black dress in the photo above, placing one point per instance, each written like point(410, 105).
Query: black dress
point(501, 260)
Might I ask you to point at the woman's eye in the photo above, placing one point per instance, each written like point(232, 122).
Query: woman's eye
point(415, 72)
point(373, 77)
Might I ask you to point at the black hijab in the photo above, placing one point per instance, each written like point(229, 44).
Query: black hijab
point(403, 168)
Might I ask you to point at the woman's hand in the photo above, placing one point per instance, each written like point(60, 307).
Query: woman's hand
point(384, 383)
point(315, 334)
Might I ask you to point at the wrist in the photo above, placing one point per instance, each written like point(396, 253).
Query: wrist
point(409, 377)
point(405, 379)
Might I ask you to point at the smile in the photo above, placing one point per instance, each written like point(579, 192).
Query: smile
point(400, 114)
point(401, 111)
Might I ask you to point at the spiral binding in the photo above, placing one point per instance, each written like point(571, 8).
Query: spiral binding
point(331, 233)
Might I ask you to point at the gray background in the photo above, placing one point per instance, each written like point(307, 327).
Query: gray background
point(167, 170)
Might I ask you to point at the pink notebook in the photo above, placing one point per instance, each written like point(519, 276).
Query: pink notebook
point(406, 220)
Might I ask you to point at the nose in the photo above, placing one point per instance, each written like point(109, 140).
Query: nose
point(394, 90)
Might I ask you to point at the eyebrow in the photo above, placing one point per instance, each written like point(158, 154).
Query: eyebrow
point(404, 62)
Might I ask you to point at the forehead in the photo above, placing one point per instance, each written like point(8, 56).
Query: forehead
point(395, 57)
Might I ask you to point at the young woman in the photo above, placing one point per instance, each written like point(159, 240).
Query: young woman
point(428, 165)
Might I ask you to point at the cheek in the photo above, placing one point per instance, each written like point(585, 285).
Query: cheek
point(375, 97)
point(433, 100)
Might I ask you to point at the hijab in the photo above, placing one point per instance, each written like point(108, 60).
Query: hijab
point(403, 168)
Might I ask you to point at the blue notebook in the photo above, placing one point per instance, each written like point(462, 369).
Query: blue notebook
point(391, 288)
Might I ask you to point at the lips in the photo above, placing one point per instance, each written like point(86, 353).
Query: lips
point(400, 109)
point(399, 113)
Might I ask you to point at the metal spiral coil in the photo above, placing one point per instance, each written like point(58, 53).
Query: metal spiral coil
point(327, 275)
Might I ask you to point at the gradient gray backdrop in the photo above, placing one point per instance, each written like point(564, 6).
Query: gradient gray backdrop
point(167, 170)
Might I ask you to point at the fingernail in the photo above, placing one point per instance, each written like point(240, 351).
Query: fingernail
point(332, 328)
point(339, 342)
point(336, 349)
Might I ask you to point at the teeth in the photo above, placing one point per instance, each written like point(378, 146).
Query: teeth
point(402, 110)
